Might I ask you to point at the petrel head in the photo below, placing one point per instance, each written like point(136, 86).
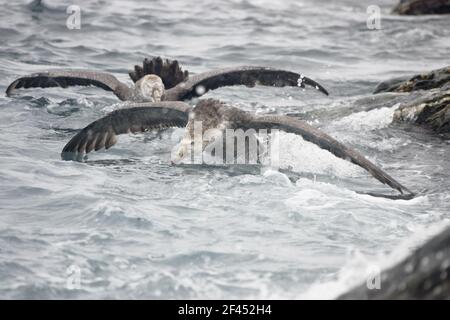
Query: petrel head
point(150, 88)
point(206, 125)
point(201, 139)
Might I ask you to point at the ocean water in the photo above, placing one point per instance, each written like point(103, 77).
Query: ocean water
point(127, 224)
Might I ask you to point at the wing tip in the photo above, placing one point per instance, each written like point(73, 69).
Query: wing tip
point(72, 156)
point(402, 196)
point(72, 150)
point(11, 87)
point(316, 85)
point(404, 191)
point(323, 90)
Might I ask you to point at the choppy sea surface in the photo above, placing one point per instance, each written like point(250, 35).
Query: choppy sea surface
point(127, 224)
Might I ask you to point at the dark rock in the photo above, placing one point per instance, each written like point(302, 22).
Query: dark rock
point(431, 106)
point(434, 79)
point(425, 274)
point(416, 7)
point(432, 110)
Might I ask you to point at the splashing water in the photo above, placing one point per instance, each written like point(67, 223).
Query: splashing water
point(127, 224)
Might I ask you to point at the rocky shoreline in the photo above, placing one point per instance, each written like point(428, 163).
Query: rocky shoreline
point(431, 108)
point(416, 7)
point(425, 274)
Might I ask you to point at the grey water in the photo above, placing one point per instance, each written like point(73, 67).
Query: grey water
point(127, 224)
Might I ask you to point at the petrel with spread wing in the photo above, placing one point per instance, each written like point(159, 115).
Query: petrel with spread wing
point(141, 117)
point(164, 80)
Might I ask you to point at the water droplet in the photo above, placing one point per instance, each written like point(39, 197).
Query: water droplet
point(409, 268)
point(424, 262)
point(200, 90)
point(445, 264)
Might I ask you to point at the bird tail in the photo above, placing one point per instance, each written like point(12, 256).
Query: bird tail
point(168, 70)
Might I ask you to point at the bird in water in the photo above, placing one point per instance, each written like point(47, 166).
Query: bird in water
point(154, 102)
point(213, 114)
point(164, 80)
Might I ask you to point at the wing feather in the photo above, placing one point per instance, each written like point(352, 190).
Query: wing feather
point(324, 141)
point(65, 77)
point(199, 84)
point(139, 117)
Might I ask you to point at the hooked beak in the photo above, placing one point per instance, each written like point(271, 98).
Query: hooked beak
point(157, 94)
point(180, 154)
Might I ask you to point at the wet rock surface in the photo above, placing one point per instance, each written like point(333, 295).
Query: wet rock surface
point(431, 106)
point(417, 7)
point(431, 110)
point(425, 274)
point(433, 79)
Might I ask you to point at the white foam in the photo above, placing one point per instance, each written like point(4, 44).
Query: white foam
point(277, 177)
point(304, 156)
point(367, 120)
point(355, 271)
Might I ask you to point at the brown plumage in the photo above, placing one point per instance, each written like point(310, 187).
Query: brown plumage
point(169, 71)
point(177, 84)
point(213, 114)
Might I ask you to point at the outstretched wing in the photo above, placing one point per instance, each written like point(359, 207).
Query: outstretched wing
point(324, 141)
point(66, 77)
point(139, 117)
point(199, 84)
